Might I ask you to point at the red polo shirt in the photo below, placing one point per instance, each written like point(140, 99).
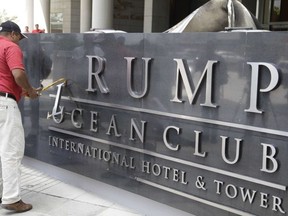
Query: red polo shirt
point(11, 57)
point(37, 31)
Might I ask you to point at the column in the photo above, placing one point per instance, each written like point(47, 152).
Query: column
point(45, 5)
point(85, 15)
point(156, 15)
point(102, 14)
point(29, 14)
point(148, 16)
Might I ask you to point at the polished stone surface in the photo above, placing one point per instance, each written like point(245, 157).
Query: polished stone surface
point(231, 89)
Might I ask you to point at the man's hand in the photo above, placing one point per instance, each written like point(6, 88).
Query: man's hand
point(32, 93)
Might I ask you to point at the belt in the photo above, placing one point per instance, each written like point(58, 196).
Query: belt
point(8, 95)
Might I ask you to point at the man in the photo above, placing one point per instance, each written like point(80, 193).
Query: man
point(13, 84)
point(27, 29)
point(37, 30)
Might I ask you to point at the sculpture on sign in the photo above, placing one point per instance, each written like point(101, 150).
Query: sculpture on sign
point(217, 15)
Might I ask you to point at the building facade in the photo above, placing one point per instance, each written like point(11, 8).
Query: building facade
point(65, 16)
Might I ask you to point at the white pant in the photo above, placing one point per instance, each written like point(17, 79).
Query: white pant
point(12, 143)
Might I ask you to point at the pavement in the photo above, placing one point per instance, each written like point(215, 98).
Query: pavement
point(57, 192)
point(52, 197)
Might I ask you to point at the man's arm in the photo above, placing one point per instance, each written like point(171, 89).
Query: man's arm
point(22, 80)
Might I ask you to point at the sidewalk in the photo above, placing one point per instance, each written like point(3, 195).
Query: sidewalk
point(51, 197)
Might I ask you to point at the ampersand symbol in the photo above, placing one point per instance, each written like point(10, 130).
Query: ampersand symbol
point(200, 184)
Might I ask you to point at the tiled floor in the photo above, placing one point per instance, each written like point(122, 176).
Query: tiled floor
point(51, 197)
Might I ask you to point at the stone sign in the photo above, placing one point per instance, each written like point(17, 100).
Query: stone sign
point(197, 121)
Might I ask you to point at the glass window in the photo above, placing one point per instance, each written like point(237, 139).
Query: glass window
point(56, 22)
point(279, 12)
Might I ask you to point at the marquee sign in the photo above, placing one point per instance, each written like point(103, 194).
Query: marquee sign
point(196, 121)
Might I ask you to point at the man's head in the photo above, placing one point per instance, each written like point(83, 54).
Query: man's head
point(12, 30)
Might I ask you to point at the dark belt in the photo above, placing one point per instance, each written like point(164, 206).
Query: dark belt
point(8, 95)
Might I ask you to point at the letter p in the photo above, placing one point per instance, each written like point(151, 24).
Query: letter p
point(254, 83)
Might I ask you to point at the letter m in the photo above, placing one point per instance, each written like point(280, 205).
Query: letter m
point(182, 76)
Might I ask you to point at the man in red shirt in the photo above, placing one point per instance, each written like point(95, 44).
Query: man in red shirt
point(13, 85)
point(37, 30)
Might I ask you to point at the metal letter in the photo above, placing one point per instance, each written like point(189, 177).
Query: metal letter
point(129, 77)
point(73, 118)
point(218, 186)
point(134, 126)
point(254, 83)
point(93, 61)
point(165, 134)
point(181, 72)
point(113, 126)
point(264, 200)
point(224, 138)
point(94, 121)
point(57, 107)
point(269, 157)
point(197, 141)
point(277, 202)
